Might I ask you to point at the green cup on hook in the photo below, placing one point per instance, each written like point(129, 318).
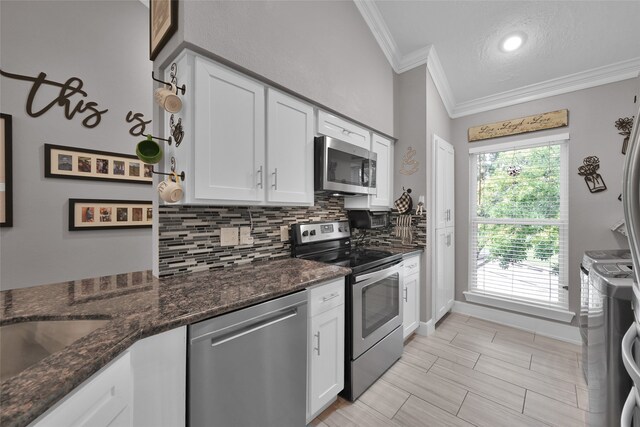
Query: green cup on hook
point(149, 151)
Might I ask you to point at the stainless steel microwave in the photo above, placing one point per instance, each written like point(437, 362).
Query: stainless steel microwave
point(341, 167)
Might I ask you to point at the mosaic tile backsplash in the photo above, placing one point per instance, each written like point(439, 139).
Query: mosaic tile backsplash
point(189, 238)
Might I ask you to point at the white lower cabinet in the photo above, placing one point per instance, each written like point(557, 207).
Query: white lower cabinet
point(106, 399)
point(145, 386)
point(411, 295)
point(325, 346)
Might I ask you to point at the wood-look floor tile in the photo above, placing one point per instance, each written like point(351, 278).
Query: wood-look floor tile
point(444, 333)
point(316, 422)
point(518, 343)
point(452, 317)
point(553, 412)
point(418, 413)
point(426, 386)
point(549, 386)
point(384, 397)
point(354, 415)
point(557, 344)
point(418, 358)
point(559, 367)
point(444, 349)
point(482, 412)
point(497, 351)
point(583, 398)
point(490, 387)
point(467, 328)
point(497, 327)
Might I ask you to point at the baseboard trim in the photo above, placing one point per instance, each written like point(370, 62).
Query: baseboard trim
point(426, 328)
point(543, 327)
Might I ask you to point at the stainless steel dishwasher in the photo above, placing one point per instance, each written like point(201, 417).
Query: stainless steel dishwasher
point(248, 368)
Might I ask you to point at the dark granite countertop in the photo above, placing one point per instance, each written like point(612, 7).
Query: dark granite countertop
point(137, 305)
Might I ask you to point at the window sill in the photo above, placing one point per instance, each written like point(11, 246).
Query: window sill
point(557, 314)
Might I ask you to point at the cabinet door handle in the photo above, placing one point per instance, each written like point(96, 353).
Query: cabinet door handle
point(404, 296)
point(330, 297)
point(275, 179)
point(318, 347)
point(260, 176)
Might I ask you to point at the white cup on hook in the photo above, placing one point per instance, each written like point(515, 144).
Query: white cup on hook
point(168, 99)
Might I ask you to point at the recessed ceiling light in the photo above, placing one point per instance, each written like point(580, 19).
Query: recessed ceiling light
point(512, 42)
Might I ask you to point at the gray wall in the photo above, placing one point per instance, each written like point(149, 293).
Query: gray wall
point(104, 43)
point(592, 113)
point(322, 50)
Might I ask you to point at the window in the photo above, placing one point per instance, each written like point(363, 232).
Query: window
point(519, 220)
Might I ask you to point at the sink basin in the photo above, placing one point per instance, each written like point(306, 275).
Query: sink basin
point(24, 344)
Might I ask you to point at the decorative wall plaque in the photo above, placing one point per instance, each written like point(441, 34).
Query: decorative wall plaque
point(550, 120)
point(592, 178)
point(409, 164)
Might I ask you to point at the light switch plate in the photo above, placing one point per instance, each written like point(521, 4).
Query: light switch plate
point(284, 233)
point(229, 236)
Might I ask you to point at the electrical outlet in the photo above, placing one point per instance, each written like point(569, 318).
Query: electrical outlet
point(229, 236)
point(245, 236)
point(284, 233)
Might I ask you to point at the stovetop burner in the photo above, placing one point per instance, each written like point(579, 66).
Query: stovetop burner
point(330, 242)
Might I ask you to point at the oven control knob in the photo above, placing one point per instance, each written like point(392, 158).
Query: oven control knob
point(313, 232)
point(305, 233)
point(340, 229)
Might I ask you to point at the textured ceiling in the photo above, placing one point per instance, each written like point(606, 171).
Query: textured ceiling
point(564, 37)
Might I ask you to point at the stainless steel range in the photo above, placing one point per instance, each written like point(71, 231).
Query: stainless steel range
point(374, 309)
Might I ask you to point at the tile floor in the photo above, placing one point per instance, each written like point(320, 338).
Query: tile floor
point(473, 373)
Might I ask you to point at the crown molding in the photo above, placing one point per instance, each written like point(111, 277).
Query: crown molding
point(583, 80)
point(401, 63)
point(372, 16)
point(440, 81)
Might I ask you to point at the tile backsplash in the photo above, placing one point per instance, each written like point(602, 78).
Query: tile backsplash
point(189, 236)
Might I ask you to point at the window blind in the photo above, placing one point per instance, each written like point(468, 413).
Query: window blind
point(519, 220)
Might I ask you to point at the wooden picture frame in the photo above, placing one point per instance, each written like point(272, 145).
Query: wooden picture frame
point(163, 23)
point(6, 171)
point(97, 214)
point(80, 163)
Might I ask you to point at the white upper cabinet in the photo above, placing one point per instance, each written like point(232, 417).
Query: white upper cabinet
point(335, 127)
point(381, 197)
point(229, 140)
point(244, 144)
point(289, 149)
point(444, 183)
point(384, 166)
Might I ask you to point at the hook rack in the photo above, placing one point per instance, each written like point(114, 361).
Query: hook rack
point(181, 174)
point(174, 80)
point(167, 140)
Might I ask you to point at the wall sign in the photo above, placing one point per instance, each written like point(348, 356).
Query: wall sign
point(81, 163)
point(140, 127)
point(551, 120)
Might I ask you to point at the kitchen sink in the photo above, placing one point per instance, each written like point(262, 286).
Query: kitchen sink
point(24, 344)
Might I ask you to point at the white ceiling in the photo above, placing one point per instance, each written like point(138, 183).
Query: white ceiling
point(570, 45)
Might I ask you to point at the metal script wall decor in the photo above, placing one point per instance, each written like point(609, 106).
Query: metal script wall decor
point(409, 164)
point(550, 120)
point(140, 127)
point(624, 125)
point(589, 170)
point(68, 89)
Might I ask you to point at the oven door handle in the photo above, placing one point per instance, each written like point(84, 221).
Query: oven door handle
point(378, 275)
